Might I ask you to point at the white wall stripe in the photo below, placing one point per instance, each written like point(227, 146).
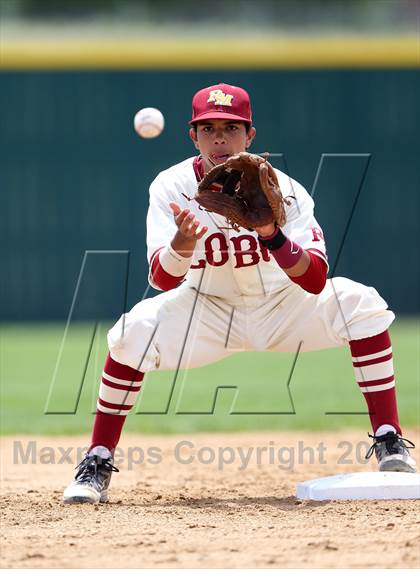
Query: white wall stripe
point(120, 381)
point(110, 411)
point(378, 387)
point(117, 396)
point(375, 371)
point(360, 359)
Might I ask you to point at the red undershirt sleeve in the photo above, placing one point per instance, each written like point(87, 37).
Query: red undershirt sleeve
point(159, 277)
point(315, 277)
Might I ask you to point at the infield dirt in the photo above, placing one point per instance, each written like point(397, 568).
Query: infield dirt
point(165, 513)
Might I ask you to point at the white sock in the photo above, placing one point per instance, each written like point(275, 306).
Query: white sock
point(384, 429)
point(101, 451)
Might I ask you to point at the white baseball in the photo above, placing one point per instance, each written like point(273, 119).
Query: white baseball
point(149, 122)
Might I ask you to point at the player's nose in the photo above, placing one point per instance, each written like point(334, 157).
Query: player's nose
point(220, 138)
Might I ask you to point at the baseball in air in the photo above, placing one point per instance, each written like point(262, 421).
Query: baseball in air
point(149, 122)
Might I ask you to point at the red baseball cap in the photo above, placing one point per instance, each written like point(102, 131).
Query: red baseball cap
point(221, 101)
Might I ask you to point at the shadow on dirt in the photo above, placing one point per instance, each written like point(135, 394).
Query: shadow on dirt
point(286, 503)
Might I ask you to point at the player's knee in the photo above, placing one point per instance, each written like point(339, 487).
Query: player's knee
point(362, 311)
point(131, 342)
point(357, 296)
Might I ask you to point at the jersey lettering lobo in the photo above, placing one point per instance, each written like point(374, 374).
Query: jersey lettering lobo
point(246, 250)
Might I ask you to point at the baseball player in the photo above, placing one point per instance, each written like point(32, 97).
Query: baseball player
point(228, 289)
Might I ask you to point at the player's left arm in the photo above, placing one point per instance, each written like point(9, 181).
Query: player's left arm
point(273, 238)
point(299, 247)
point(304, 267)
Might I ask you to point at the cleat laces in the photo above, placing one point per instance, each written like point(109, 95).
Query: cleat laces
point(89, 466)
point(393, 443)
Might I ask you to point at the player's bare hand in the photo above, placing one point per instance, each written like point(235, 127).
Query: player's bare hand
point(188, 225)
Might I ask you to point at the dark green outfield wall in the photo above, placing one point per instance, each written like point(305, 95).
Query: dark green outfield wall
point(74, 175)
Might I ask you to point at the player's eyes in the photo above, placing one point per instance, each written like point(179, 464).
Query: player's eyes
point(229, 127)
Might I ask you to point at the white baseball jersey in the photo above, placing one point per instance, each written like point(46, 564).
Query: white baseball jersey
point(254, 305)
point(233, 262)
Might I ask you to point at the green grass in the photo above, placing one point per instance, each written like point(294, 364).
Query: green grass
point(322, 382)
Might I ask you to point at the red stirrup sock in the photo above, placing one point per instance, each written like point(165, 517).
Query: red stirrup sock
point(120, 385)
point(374, 370)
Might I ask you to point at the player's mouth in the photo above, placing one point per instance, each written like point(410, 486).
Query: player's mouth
point(219, 158)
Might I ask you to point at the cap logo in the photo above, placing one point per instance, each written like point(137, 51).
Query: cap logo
point(219, 98)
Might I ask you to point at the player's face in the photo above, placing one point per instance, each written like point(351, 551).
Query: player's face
point(217, 139)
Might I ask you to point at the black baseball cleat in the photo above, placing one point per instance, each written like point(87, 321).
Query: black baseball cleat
point(392, 453)
point(90, 485)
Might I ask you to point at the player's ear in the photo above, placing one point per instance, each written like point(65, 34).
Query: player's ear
point(193, 136)
point(250, 135)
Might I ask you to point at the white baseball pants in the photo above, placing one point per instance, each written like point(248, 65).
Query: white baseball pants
point(186, 329)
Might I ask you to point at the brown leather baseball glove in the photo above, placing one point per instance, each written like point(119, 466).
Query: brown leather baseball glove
point(245, 190)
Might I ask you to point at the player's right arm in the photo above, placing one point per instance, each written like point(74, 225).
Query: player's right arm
point(188, 233)
point(172, 235)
